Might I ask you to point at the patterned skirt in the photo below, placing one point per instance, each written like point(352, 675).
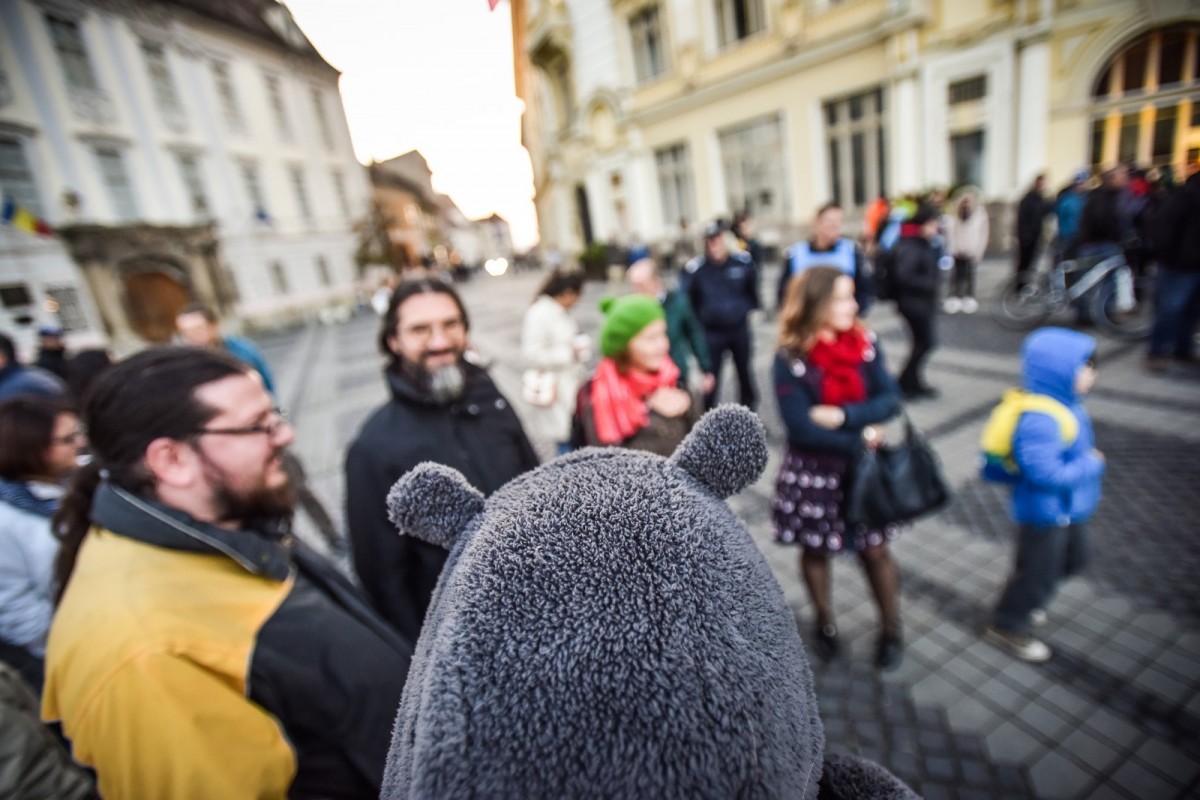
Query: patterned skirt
point(807, 507)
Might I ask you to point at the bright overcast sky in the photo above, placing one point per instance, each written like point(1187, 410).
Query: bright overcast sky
point(434, 76)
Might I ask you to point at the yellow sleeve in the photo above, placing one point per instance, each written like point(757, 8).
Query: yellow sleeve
point(165, 727)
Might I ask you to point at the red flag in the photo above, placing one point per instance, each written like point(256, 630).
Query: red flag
point(492, 4)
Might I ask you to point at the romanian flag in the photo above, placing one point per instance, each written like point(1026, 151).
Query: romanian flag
point(23, 219)
point(492, 4)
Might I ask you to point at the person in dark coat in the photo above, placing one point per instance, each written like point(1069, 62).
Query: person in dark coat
point(1177, 299)
point(442, 408)
point(723, 289)
point(1031, 216)
point(914, 262)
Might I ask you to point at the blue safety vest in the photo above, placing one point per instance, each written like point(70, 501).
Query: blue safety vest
point(801, 256)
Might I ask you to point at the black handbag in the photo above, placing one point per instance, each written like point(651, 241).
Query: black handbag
point(896, 483)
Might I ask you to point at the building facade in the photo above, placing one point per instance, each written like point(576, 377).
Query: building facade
point(181, 150)
point(643, 113)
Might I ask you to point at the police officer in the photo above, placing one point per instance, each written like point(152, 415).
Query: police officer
point(723, 289)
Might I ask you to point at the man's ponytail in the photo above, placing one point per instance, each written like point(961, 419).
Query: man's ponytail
point(71, 523)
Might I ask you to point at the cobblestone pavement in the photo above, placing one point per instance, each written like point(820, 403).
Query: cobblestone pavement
point(1115, 713)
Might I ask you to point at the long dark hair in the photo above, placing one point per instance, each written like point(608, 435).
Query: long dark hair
point(26, 433)
point(146, 397)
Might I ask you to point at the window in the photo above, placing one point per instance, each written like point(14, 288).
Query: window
point(856, 138)
point(227, 96)
point(649, 50)
point(322, 120)
point(15, 295)
point(675, 184)
point(69, 307)
point(278, 278)
point(275, 97)
point(72, 53)
point(254, 191)
point(339, 189)
point(323, 272)
point(165, 96)
point(1138, 99)
point(116, 181)
point(301, 191)
point(193, 184)
point(738, 19)
point(752, 163)
point(967, 90)
point(967, 151)
point(16, 178)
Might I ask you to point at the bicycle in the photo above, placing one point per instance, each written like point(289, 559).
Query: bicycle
point(1122, 303)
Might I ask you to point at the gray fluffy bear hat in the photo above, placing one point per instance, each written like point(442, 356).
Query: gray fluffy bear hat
point(605, 627)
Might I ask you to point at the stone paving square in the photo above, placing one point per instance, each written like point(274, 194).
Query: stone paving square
point(1115, 713)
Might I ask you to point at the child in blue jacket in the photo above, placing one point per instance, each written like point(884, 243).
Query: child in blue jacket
point(1056, 492)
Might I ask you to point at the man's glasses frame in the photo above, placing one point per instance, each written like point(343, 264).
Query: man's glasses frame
point(270, 428)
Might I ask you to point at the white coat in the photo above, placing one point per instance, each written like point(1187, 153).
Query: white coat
point(548, 343)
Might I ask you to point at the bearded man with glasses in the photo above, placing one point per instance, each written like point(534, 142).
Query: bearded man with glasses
point(199, 649)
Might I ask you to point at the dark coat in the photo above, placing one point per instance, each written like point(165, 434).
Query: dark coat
point(798, 389)
point(685, 334)
point(914, 267)
point(1105, 220)
point(1177, 228)
point(1031, 214)
point(722, 294)
point(479, 435)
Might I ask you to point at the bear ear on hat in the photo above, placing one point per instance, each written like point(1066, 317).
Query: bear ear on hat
point(726, 451)
point(433, 503)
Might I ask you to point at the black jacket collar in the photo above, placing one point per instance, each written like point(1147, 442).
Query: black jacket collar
point(264, 549)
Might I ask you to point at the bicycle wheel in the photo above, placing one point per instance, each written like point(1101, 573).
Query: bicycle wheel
point(1128, 318)
point(1020, 307)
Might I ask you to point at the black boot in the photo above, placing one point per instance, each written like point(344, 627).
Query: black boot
point(888, 652)
point(825, 642)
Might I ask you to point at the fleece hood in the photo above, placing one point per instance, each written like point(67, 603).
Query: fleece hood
point(1050, 358)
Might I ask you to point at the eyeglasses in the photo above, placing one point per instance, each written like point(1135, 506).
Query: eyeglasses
point(69, 438)
point(270, 427)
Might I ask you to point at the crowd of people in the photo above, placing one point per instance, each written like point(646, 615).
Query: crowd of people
point(188, 643)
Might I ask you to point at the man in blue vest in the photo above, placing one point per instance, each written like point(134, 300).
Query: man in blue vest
point(828, 248)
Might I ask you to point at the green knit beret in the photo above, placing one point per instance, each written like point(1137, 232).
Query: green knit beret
point(624, 318)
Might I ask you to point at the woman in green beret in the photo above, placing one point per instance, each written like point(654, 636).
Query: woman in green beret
point(633, 399)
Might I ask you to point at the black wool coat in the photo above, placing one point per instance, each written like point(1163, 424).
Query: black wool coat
point(479, 435)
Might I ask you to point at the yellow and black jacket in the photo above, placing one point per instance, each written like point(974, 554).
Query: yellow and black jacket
point(188, 661)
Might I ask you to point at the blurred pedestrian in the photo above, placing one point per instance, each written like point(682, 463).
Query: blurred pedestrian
point(40, 443)
point(966, 241)
point(1031, 218)
point(834, 392)
point(828, 247)
point(199, 326)
point(17, 379)
point(915, 282)
point(52, 351)
point(1056, 490)
point(1068, 209)
point(683, 329)
point(552, 350)
point(633, 399)
point(723, 289)
point(1177, 289)
point(82, 370)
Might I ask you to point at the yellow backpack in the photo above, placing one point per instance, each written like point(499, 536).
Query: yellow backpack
point(997, 438)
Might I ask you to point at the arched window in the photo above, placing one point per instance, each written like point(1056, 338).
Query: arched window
point(1146, 101)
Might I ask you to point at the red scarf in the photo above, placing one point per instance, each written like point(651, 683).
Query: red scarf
point(841, 362)
point(619, 399)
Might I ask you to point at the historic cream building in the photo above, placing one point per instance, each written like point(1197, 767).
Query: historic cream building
point(181, 149)
point(640, 113)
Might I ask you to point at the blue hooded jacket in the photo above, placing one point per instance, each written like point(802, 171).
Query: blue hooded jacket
point(1058, 485)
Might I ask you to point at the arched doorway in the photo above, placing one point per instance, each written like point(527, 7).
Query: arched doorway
point(1146, 101)
point(154, 295)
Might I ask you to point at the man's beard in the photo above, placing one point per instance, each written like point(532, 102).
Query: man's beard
point(443, 384)
point(258, 502)
point(446, 383)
